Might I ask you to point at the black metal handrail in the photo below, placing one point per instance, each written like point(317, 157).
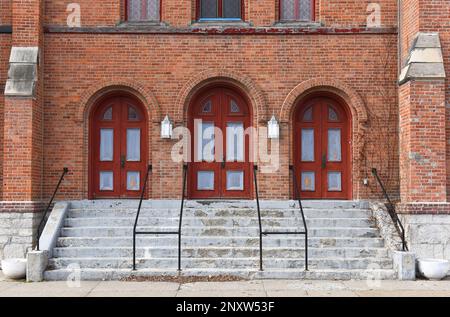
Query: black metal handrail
point(255, 178)
point(44, 217)
point(392, 212)
point(266, 233)
point(178, 233)
point(305, 226)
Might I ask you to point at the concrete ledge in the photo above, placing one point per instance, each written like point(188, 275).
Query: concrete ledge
point(53, 227)
point(37, 261)
point(405, 265)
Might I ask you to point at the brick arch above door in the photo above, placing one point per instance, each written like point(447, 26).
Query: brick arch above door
point(99, 89)
point(196, 83)
point(339, 88)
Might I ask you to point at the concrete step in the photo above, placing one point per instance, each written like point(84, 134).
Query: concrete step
point(236, 263)
point(217, 231)
point(212, 213)
point(212, 252)
point(270, 241)
point(217, 204)
point(217, 221)
point(117, 274)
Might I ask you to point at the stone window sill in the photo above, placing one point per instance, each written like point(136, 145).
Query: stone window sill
point(218, 23)
point(298, 24)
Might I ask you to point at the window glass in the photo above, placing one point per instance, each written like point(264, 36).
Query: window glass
point(296, 10)
point(143, 10)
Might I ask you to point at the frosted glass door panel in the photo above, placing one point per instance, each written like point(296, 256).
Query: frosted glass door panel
point(107, 181)
point(205, 141)
point(205, 180)
point(235, 180)
point(334, 145)
point(307, 145)
point(235, 142)
point(308, 181)
point(334, 181)
point(106, 145)
point(133, 180)
point(133, 145)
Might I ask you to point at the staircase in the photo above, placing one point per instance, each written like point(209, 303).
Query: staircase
point(220, 238)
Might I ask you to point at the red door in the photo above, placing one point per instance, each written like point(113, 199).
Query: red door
point(322, 150)
point(118, 149)
point(220, 165)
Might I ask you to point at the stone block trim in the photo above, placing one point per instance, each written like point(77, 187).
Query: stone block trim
point(424, 208)
point(425, 60)
point(17, 233)
point(22, 74)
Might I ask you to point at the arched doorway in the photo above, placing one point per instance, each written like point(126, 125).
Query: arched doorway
point(118, 145)
point(220, 161)
point(322, 145)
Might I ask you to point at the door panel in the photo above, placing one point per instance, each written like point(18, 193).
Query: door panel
point(119, 149)
point(221, 167)
point(322, 150)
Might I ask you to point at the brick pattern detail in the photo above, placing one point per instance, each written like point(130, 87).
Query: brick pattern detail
point(422, 142)
point(349, 13)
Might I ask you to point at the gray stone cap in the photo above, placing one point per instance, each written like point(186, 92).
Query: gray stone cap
point(425, 60)
point(22, 73)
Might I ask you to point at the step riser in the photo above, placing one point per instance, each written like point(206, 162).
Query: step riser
point(108, 275)
point(214, 253)
point(216, 232)
point(62, 263)
point(351, 213)
point(219, 204)
point(220, 242)
point(215, 222)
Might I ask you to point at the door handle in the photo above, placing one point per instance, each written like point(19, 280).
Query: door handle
point(324, 161)
point(223, 162)
point(122, 161)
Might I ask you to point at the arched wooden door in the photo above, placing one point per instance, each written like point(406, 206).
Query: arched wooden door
point(118, 147)
point(220, 164)
point(322, 149)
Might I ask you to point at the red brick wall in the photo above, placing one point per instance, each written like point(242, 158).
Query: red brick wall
point(5, 44)
point(5, 12)
point(163, 64)
point(349, 13)
point(423, 142)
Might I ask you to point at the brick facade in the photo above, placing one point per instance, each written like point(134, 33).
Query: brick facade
point(275, 65)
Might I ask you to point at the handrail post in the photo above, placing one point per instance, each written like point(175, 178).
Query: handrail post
point(392, 212)
point(185, 170)
point(149, 169)
point(43, 220)
point(255, 170)
point(299, 198)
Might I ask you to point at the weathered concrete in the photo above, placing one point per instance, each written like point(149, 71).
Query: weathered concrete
point(220, 238)
point(266, 288)
point(428, 235)
point(17, 233)
point(37, 262)
point(405, 265)
point(52, 229)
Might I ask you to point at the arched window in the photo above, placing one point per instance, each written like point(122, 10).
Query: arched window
point(297, 10)
point(143, 10)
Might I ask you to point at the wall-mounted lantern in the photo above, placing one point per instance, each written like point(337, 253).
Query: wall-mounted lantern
point(273, 128)
point(166, 128)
